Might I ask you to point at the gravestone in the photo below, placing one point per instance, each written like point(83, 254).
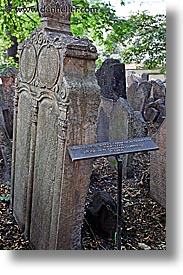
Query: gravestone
point(154, 110)
point(124, 124)
point(159, 90)
point(158, 167)
point(105, 110)
point(133, 77)
point(112, 79)
point(101, 214)
point(148, 98)
point(137, 96)
point(56, 103)
point(120, 121)
point(8, 80)
point(7, 92)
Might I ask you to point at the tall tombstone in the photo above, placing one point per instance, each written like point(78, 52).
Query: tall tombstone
point(111, 78)
point(119, 125)
point(104, 114)
point(125, 124)
point(158, 167)
point(56, 105)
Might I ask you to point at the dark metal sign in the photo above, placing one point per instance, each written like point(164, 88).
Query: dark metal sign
point(114, 148)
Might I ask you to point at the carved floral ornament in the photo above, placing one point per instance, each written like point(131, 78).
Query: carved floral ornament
point(41, 56)
point(39, 61)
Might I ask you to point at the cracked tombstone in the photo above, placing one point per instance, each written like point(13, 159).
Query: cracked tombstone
point(56, 103)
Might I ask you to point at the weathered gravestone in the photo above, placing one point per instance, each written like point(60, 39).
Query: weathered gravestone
point(158, 167)
point(56, 105)
point(105, 111)
point(101, 214)
point(8, 79)
point(148, 97)
point(112, 81)
point(124, 124)
point(7, 93)
point(138, 96)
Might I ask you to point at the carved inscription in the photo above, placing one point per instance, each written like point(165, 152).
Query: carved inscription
point(28, 63)
point(48, 66)
point(112, 148)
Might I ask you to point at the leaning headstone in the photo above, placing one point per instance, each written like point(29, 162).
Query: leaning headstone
point(57, 99)
point(120, 121)
point(137, 96)
point(154, 111)
point(133, 77)
point(7, 93)
point(158, 167)
point(105, 110)
point(112, 79)
point(159, 90)
point(119, 125)
point(124, 124)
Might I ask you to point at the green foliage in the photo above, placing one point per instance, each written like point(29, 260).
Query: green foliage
point(141, 38)
point(19, 24)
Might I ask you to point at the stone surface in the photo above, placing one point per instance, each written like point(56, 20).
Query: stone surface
point(133, 77)
point(158, 167)
point(159, 91)
point(105, 110)
point(8, 81)
point(57, 106)
point(137, 96)
point(56, 15)
point(101, 214)
point(111, 79)
point(120, 120)
point(7, 92)
point(120, 123)
point(149, 98)
point(124, 124)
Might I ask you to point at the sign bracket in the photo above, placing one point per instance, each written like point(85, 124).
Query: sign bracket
point(116, 149)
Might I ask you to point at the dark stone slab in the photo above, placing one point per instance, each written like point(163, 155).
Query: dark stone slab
point(111, 79)
point(101, 214)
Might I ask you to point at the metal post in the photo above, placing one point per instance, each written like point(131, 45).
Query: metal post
point(119, 201)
